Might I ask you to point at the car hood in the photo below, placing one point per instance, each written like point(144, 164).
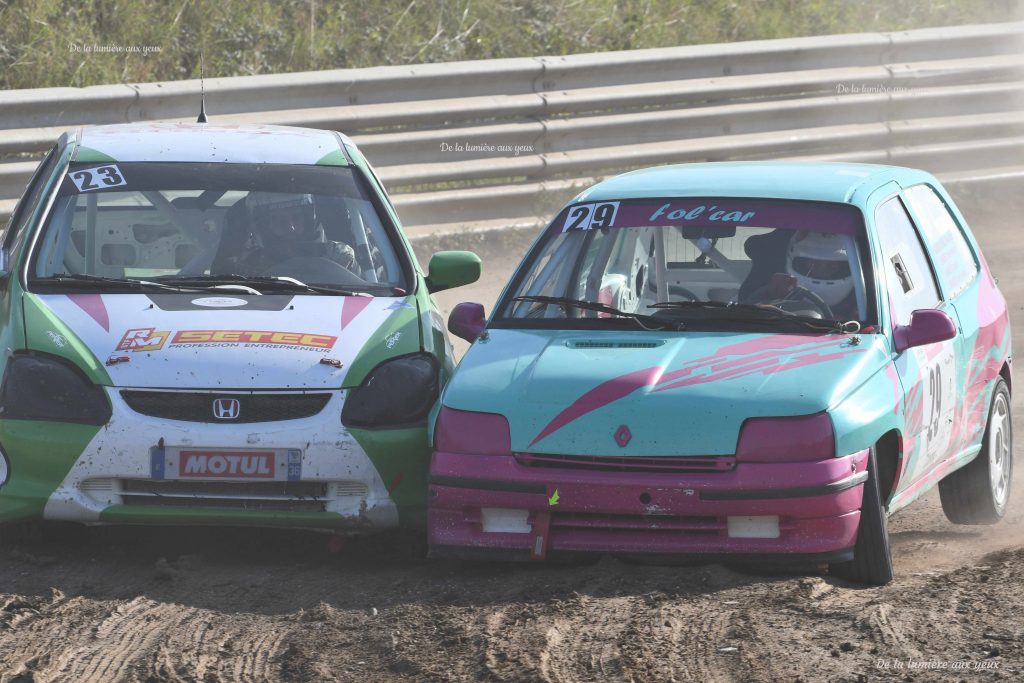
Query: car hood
point(570, 392)
point(202, 341)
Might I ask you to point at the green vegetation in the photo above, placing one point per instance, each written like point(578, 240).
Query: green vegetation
point(55, 43)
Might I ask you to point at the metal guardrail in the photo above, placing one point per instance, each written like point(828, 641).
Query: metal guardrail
point(532, 130)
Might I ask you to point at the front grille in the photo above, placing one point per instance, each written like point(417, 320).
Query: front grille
point(594, 344)
point(234, 489)
point(288, 496)
point(688, 525)
point(198, 406)
point(669, 465)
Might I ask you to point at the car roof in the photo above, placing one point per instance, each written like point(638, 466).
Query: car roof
point(208, 142)
point(816, 181)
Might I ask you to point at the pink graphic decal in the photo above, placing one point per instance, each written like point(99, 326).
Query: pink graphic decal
point(600, 396)
point(767, 367)
point(766, 355)
point(890, 372)
point(94, 306)
point(351, 307)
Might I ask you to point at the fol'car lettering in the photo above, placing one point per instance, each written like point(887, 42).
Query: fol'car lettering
point(247, 465)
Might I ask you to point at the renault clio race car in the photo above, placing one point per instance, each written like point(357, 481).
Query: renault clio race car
point(734, 359)
point(216, 325)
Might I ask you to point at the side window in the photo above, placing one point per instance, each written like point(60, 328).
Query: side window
point(954, 258)
point(909, 278)
point(28, 201)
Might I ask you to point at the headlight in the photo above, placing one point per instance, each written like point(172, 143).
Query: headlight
point(41, 387)
point(462, 431)
point(397, 393)
point(805, 438)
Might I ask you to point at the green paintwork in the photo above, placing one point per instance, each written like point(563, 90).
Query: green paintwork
point(40, 321)
point(402, 457)
point(449, 269)
point(335, 158)
point(87, 154)
point(141, 514)
point(55, 446)
point(402, 321)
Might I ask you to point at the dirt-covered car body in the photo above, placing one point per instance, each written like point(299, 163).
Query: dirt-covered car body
point(713, 426)
point(156, 371)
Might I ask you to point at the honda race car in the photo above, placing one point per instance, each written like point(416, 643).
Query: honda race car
point(734, 359)
point(216, 325)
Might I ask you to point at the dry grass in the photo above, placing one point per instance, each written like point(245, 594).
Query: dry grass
point(46, 43)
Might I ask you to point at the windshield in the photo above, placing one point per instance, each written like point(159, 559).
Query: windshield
point(703, 261)
point(172, 223)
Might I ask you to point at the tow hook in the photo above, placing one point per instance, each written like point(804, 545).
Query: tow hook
point(114, 360)
point(333, 362)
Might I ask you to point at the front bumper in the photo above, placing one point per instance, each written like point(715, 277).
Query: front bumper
point(480, 505)
point(112, 474)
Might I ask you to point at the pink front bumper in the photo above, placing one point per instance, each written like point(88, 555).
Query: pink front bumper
point(817, 505)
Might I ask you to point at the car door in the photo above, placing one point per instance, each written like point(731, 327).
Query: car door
point(928, 373)
point(957, 268)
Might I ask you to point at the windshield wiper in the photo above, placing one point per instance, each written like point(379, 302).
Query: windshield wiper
point(106, 282)
point(565, 303)
point(273, 281)
point(752, 312)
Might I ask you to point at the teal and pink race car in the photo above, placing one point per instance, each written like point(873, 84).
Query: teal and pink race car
point(730, 359)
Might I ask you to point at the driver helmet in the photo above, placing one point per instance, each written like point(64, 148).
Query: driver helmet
point(282, 216)
point(820, 263)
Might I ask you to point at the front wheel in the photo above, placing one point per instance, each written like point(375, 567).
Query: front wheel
point(872, 555)
point(978, 492)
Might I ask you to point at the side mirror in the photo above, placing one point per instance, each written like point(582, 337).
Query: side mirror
point(467, 321)
point(449, 269)
point(927, 326)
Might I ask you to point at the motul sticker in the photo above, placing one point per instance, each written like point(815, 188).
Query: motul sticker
point(203, 464)
point(173, 462)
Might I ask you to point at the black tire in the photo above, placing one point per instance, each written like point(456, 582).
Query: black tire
point(872, 555)
point(978, 492)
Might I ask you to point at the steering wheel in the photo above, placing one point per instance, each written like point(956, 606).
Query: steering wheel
point(314, 269)
point(797, 294)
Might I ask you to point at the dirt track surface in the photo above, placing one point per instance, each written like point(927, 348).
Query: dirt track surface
point(134, 604)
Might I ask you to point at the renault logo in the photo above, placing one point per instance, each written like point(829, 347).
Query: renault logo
point(226, 408)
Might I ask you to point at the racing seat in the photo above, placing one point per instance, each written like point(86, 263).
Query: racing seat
point(233, 236)
point(767, 255)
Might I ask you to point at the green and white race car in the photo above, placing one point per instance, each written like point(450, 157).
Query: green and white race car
point(212, 324)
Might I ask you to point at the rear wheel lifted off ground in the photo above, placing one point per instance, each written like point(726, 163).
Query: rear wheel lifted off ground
point(872, 555)
point(978, 492)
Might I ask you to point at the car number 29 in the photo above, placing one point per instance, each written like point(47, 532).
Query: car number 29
point(589, 216)
point(938, 378)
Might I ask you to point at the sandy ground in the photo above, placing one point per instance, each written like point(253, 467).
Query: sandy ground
point(128, 604)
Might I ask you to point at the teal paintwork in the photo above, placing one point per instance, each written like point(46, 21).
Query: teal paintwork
point(566, 400)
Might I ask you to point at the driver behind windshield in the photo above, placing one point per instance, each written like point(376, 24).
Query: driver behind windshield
point(819, 262)
point(277, 227)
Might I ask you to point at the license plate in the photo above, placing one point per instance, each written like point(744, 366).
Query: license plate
point(279, 464)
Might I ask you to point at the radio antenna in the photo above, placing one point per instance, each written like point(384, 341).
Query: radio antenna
point(202, 89)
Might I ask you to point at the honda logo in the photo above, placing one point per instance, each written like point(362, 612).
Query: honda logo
point(226, 408)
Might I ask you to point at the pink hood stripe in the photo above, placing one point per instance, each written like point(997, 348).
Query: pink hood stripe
point(351, 307)
point(600, 396)
point(94, 306)
point(765, 355)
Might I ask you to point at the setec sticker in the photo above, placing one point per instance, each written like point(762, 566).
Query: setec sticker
point(589, 216)
point(99, 178)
